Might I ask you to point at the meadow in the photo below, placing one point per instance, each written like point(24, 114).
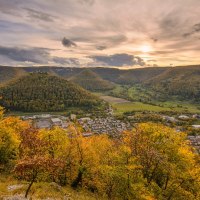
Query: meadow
point(121, 105)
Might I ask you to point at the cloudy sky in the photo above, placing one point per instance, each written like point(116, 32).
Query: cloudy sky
point(103, 33)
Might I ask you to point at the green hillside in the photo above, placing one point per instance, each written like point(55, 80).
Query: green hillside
point(91, 81)
point(42, 92)
point(139, 75)
point(183, 82)
point(160, 82)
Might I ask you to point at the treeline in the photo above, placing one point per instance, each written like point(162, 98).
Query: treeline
point(41, 92)
point(150, 162)
point(183, 90)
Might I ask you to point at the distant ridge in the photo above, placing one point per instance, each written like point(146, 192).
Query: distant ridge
point(8, 74)
point(91, 81)
point(182, 81)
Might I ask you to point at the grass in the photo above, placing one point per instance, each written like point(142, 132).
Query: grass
point(145, 100)
point(120, 108)
point(114, 99)
point(121, 105)
point(42, 190)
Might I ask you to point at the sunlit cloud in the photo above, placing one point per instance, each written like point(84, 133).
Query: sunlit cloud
point(93, 32)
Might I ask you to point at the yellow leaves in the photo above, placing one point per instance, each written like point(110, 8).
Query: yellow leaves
point(186, 153)
point(15, 124)
point(138, 166)
point(1, 112)
point(57, 141)
point(10, 128)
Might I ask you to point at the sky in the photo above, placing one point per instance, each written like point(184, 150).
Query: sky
point(99, 33)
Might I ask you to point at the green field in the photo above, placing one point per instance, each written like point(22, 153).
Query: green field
point(122, 105)
point(120, 108)
point(142, 99)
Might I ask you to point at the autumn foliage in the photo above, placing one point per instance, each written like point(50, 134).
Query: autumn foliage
point(150, 162)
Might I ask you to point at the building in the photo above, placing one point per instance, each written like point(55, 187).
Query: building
point(65, 125)
point(73, 117)
point(169, 119)
point(87, 134)
point(196, 126)
point(56, 121)
point(183, 117)
point(46, 124)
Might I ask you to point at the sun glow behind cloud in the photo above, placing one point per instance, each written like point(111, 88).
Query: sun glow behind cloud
point(78, 32)
point(146, 48)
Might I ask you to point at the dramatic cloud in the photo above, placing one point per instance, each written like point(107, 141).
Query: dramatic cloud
point(166, 31)
point(195, 29)
point(68, 43)
point(39, 15)
point(119, 60)
point(70, 62)
point(35, 55)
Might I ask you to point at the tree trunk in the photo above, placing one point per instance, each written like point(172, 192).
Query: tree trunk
point(29, 187)
point(78, 179)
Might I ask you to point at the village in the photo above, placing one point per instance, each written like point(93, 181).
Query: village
point(111, 125)
point(108, 125)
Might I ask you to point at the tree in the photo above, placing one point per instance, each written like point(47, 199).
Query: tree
point(34, 158)
point(10, 128)
point(169, 165)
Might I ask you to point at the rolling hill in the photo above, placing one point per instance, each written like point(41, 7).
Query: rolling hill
point(91, 81)
point(130, 76)
point(42, 92)
point(183, 82)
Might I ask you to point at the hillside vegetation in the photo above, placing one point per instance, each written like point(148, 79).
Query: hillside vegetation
point(160, 82)
point(150, 162)
point(42, 92)
point(91, 81)
point(181, 81)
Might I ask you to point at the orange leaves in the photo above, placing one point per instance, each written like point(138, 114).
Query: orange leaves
point(150, 162)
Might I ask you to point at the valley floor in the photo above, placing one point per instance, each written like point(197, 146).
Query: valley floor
point(121, 105)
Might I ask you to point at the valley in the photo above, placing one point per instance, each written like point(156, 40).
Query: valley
point(81, 115)
point(99, 100)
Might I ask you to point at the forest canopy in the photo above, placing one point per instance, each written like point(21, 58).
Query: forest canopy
point(42, 92)
point(150, 162)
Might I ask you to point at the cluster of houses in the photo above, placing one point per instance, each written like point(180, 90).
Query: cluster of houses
point(47, 121)
point(180, 117)
point(108, 125)
point(91, 126)
point(100, 125)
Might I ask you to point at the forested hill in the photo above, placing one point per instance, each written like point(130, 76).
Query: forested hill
point(181, 81)
point(114, 75)
point(42, 92)
point(91, 81)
